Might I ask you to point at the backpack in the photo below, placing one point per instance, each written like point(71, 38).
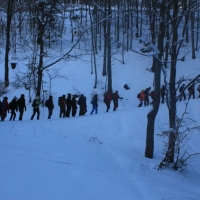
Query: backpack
point(46, 103)
point(2, 104)
point(34, 103)
point(92, 101)
point(59, 101)
point(138, 95)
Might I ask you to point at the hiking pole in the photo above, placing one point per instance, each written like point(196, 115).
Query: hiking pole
point(123, 103)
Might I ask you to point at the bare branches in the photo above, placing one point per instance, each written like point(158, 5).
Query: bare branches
point(182, 133)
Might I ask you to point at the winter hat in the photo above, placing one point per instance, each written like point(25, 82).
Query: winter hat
point(15, 98)
point(5, 98)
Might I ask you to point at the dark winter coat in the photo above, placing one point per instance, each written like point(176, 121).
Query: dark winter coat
point(116, 97)
point(83, 106)
point(68, 101)
point(146, 92)
point(13, 105)
point(191, 89)
point(21, 102)
point(1, 107)
point(50, 104)
point(162, 90)
point(74, 102)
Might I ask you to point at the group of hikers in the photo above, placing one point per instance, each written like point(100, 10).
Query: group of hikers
point(68, 105)
point(144, 95)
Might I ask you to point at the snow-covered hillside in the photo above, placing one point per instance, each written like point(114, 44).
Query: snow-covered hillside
point(96, 156)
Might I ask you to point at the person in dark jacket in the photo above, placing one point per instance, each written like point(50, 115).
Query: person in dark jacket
point(21, 102)
point(94, 103)
point(107, 101)
point(182, 92)
point(62, 105)
point(115, 98)
point(162, 93)
point(198, 89)
point(152, 96)
point(1, 107)
point(49, 104)
point(146, 96)
point(5, 108)
point(69, 105)
point(13, 107)
point(36, 107)
point(191, 91)
point(82, 104)
point(74, 106)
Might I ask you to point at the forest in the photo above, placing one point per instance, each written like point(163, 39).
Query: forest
point(45, 32)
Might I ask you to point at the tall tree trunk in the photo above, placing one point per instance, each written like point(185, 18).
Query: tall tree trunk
point(137, 19)
point(157, 72)
point(192, 34)
point(104, 72)
point(197, 32)
point(8, 28)
point(172, 92)
point(109, 64)
point(41, 55)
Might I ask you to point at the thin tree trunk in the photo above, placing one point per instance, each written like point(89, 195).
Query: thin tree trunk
point(104, 72)
point(109, 64)
point(192, 34)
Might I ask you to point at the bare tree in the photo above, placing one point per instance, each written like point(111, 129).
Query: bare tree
point(10, 10)
point(157, 72)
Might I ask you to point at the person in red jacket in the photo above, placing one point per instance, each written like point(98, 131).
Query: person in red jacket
point(141, 98)
point(5, 108)
point(107, 100)
point(62, 106)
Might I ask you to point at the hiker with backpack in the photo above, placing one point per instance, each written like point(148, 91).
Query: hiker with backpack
point(141, 98)
point(162, 93)
point(21, 102)
point(13, 107)
point(68, 102)
point(74, 105)
point(152, 96)
point(182, 92)
point(36, 107)
point(5, 108)
point(0, 108)
point(191, 91)
point(82, 105)
point(49, 104)
point(198, 89)
point(107, 100)
point(115, 98)
point(61, 104)
point(146, 94)
point(94, 103)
